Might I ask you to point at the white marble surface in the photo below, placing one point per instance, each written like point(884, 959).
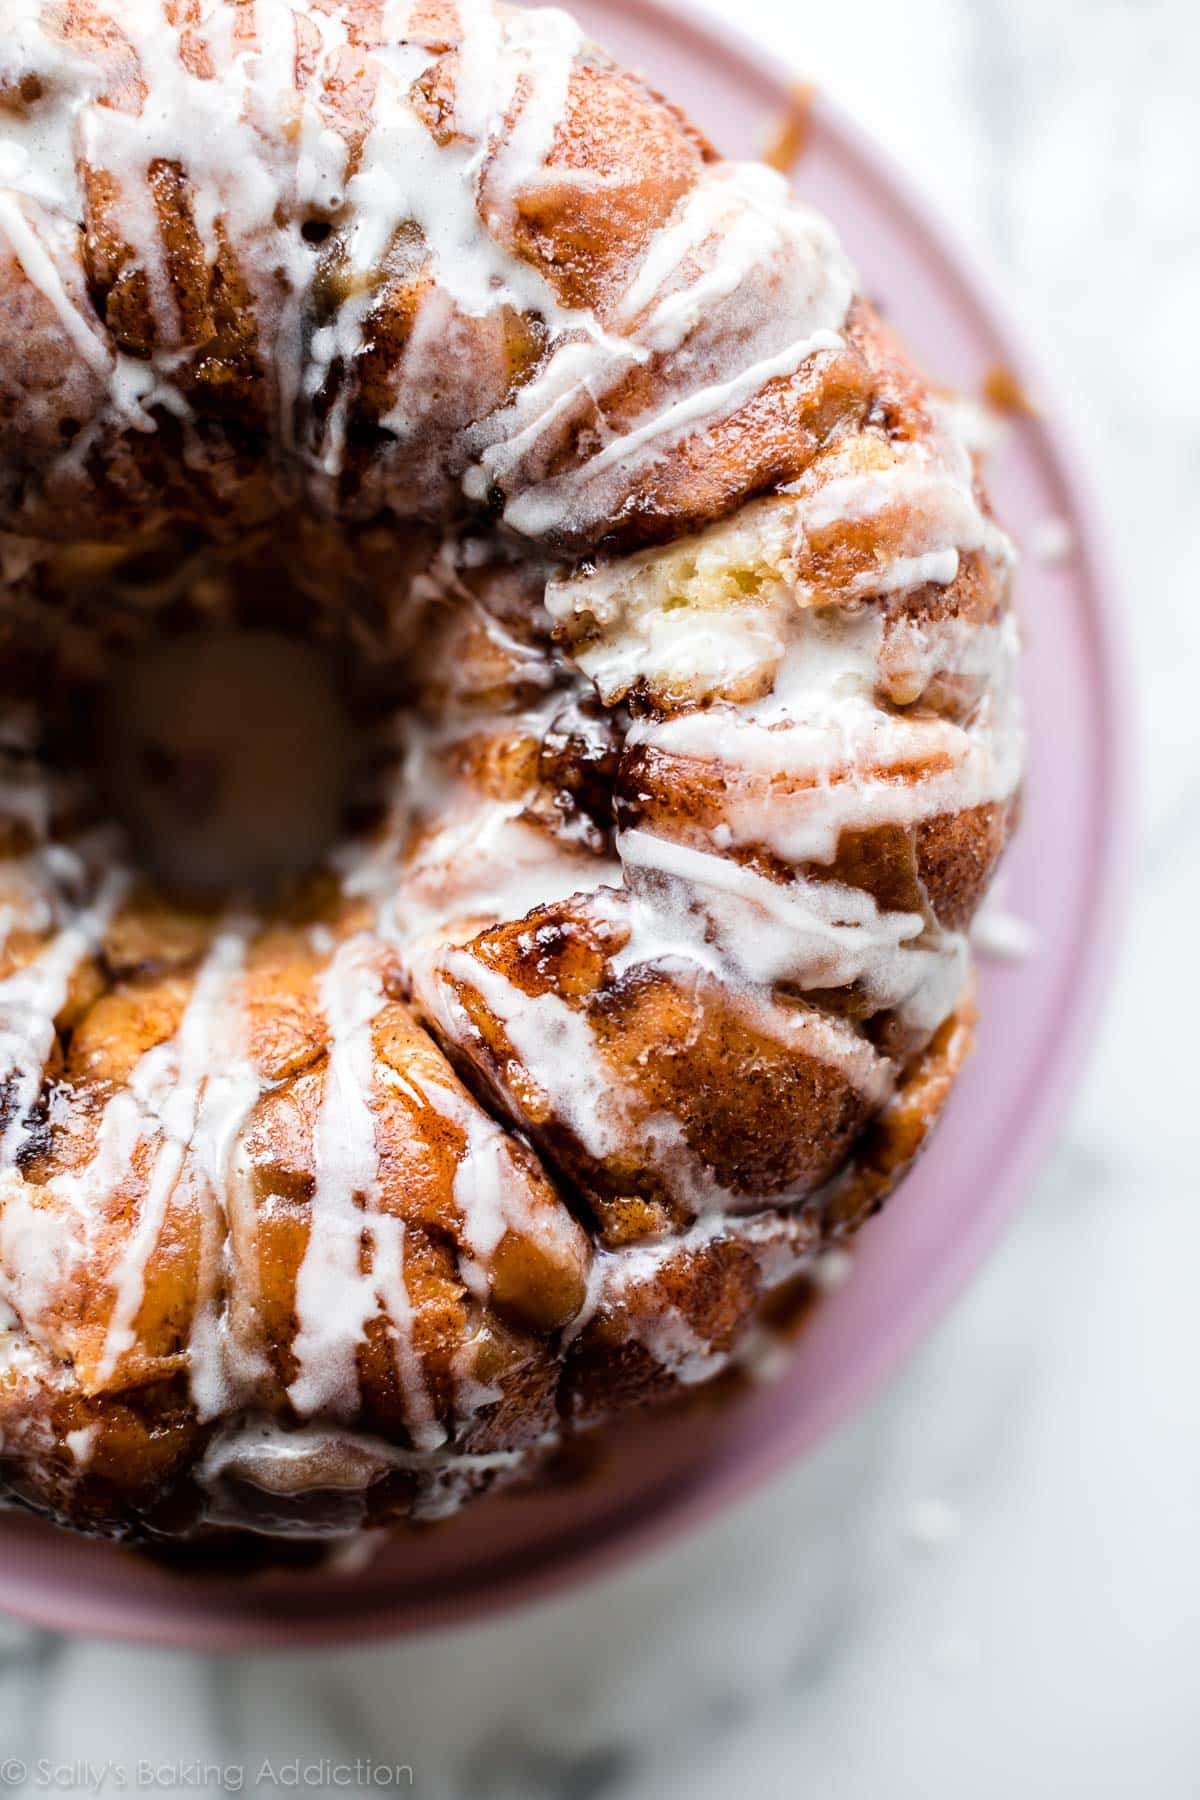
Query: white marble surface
point(989, 1585)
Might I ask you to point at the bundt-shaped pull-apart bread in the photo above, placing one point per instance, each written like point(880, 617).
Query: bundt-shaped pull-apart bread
point(679, 636)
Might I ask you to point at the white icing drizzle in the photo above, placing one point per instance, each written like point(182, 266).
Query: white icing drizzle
point(553, 1041)
point(927, 497)
point(223, 1368)
point(491, 1189)
point(473, 860)
point(585, 1091)
point(47, 1235)
point(735, 231)
point(540, 509)
point(196, 1101)
point(387, 1269)
point(715, 614)
point(289, 1462)
point(545, 44)
point(771, 683)
point(31, 1000)
point(404, 178)
point(259, 154)
point(619, 1278)
point(335, 1298)
point(81, 1444)
point(480, 63)
point(191, 1095)
point(819, 934)
point(742, 202)
point(40, 268)
point(818, 757)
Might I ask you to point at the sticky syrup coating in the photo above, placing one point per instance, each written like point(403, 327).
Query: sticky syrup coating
point(679, 634)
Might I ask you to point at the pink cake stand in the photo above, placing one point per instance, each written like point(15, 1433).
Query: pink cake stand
point(1065, 878)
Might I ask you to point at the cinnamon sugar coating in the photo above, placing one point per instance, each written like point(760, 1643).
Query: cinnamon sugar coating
point(678, 637)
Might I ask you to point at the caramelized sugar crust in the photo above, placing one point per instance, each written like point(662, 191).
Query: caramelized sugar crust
point(678, 635)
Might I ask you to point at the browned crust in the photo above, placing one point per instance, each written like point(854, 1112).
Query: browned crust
point(798, 1140)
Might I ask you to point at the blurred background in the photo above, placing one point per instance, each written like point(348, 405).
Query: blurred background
point(989, 1585)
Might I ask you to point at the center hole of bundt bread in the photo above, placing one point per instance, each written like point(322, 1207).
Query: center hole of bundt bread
point(227, 755)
